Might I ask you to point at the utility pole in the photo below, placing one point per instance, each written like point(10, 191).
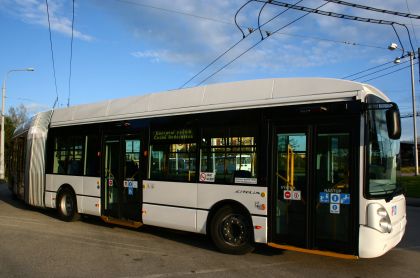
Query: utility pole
point(413, 95)
point(2, 137)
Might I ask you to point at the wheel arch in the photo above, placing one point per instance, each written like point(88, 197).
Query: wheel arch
point(63, 187)
point(227, 202)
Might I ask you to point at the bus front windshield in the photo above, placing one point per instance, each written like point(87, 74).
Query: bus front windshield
point(382, 155)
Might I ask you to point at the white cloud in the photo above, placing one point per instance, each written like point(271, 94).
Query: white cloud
point(35, 12)
point(34, 108)
point(170, 37)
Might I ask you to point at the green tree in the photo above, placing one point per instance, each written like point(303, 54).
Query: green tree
point(14, 118)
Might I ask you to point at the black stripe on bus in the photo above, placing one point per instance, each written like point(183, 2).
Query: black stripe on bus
point(81, 195)
point(202, 209)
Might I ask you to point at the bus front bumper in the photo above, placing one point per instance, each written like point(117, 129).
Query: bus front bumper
point(373, 243)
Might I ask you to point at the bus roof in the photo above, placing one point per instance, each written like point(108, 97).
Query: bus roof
point(215, 97)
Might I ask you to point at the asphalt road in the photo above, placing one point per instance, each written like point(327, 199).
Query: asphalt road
point(34, 243)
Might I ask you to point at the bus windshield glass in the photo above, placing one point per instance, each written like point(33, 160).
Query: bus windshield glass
point(382, 155)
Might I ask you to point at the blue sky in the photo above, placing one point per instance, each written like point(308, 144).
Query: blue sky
point(133, 47)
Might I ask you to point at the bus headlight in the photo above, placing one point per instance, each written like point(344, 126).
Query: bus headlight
point(378, 218)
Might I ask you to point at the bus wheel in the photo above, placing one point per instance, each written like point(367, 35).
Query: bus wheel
point(231, 231)
point(67, 206)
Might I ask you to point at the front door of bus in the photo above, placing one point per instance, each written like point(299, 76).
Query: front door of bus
point(312, 196)
point(123, 167)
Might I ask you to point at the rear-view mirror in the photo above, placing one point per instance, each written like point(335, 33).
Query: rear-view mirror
point(393, 122)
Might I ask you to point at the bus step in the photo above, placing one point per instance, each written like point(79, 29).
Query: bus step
point(310, 251)
point(122, 222)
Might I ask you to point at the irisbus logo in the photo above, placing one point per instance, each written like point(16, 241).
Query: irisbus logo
point(394, 210)
point(251, 192)
point(240, 191)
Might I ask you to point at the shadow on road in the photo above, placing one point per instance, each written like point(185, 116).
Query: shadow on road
point(187, 238)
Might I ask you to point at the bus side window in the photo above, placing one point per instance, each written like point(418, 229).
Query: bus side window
point(228, 155)
point(173, 155)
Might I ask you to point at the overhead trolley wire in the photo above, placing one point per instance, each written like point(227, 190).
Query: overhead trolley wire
point(174, 11)
point(52, 54)
point(335, 41)
point(366, 75)
point(409, 115)
point(378, 66)
point(233, 46)
point(375, 67)
point(254, 45)
point(231, 23)
point(331, 14)
point(71, 56)
point(343, 16)
point(413, 16)
point(236, 15)
point(242, 27)
point(367, 80)
point(408, 15)
point(412, 24)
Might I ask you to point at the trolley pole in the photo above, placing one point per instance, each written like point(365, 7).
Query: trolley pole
point(413, 95)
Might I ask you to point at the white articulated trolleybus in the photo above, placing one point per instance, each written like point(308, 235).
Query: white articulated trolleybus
point(305, 164)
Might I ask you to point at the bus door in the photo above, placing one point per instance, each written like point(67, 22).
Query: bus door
point(123, 169)
point(313, 191)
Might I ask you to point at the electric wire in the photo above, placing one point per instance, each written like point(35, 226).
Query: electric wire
point(412, 24)
point(342, 16)
point(174, 11)
point(409, 115)
point(409, 36)
point(334, 41)
point(236, 15)
point(254, 45)
point(413, 16)
point(240, 28)
point(331, 14)
point(399, 40)
point(231, 23)
point(230, 48)
point(367, 80)
point(52, 55)
point(357, 73)
point(71, 56)
point(259, 17)
point(392, 66)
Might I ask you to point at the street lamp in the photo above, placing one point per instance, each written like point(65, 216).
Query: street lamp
point(2, 119)
point(412, 55)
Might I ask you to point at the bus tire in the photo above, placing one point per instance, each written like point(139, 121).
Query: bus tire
point(67, 205)
point(231, 231)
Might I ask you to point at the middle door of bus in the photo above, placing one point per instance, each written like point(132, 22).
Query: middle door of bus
point(313, 186)
point(123, 173)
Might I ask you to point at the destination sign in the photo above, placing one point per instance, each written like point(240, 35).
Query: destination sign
point(179, 134)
